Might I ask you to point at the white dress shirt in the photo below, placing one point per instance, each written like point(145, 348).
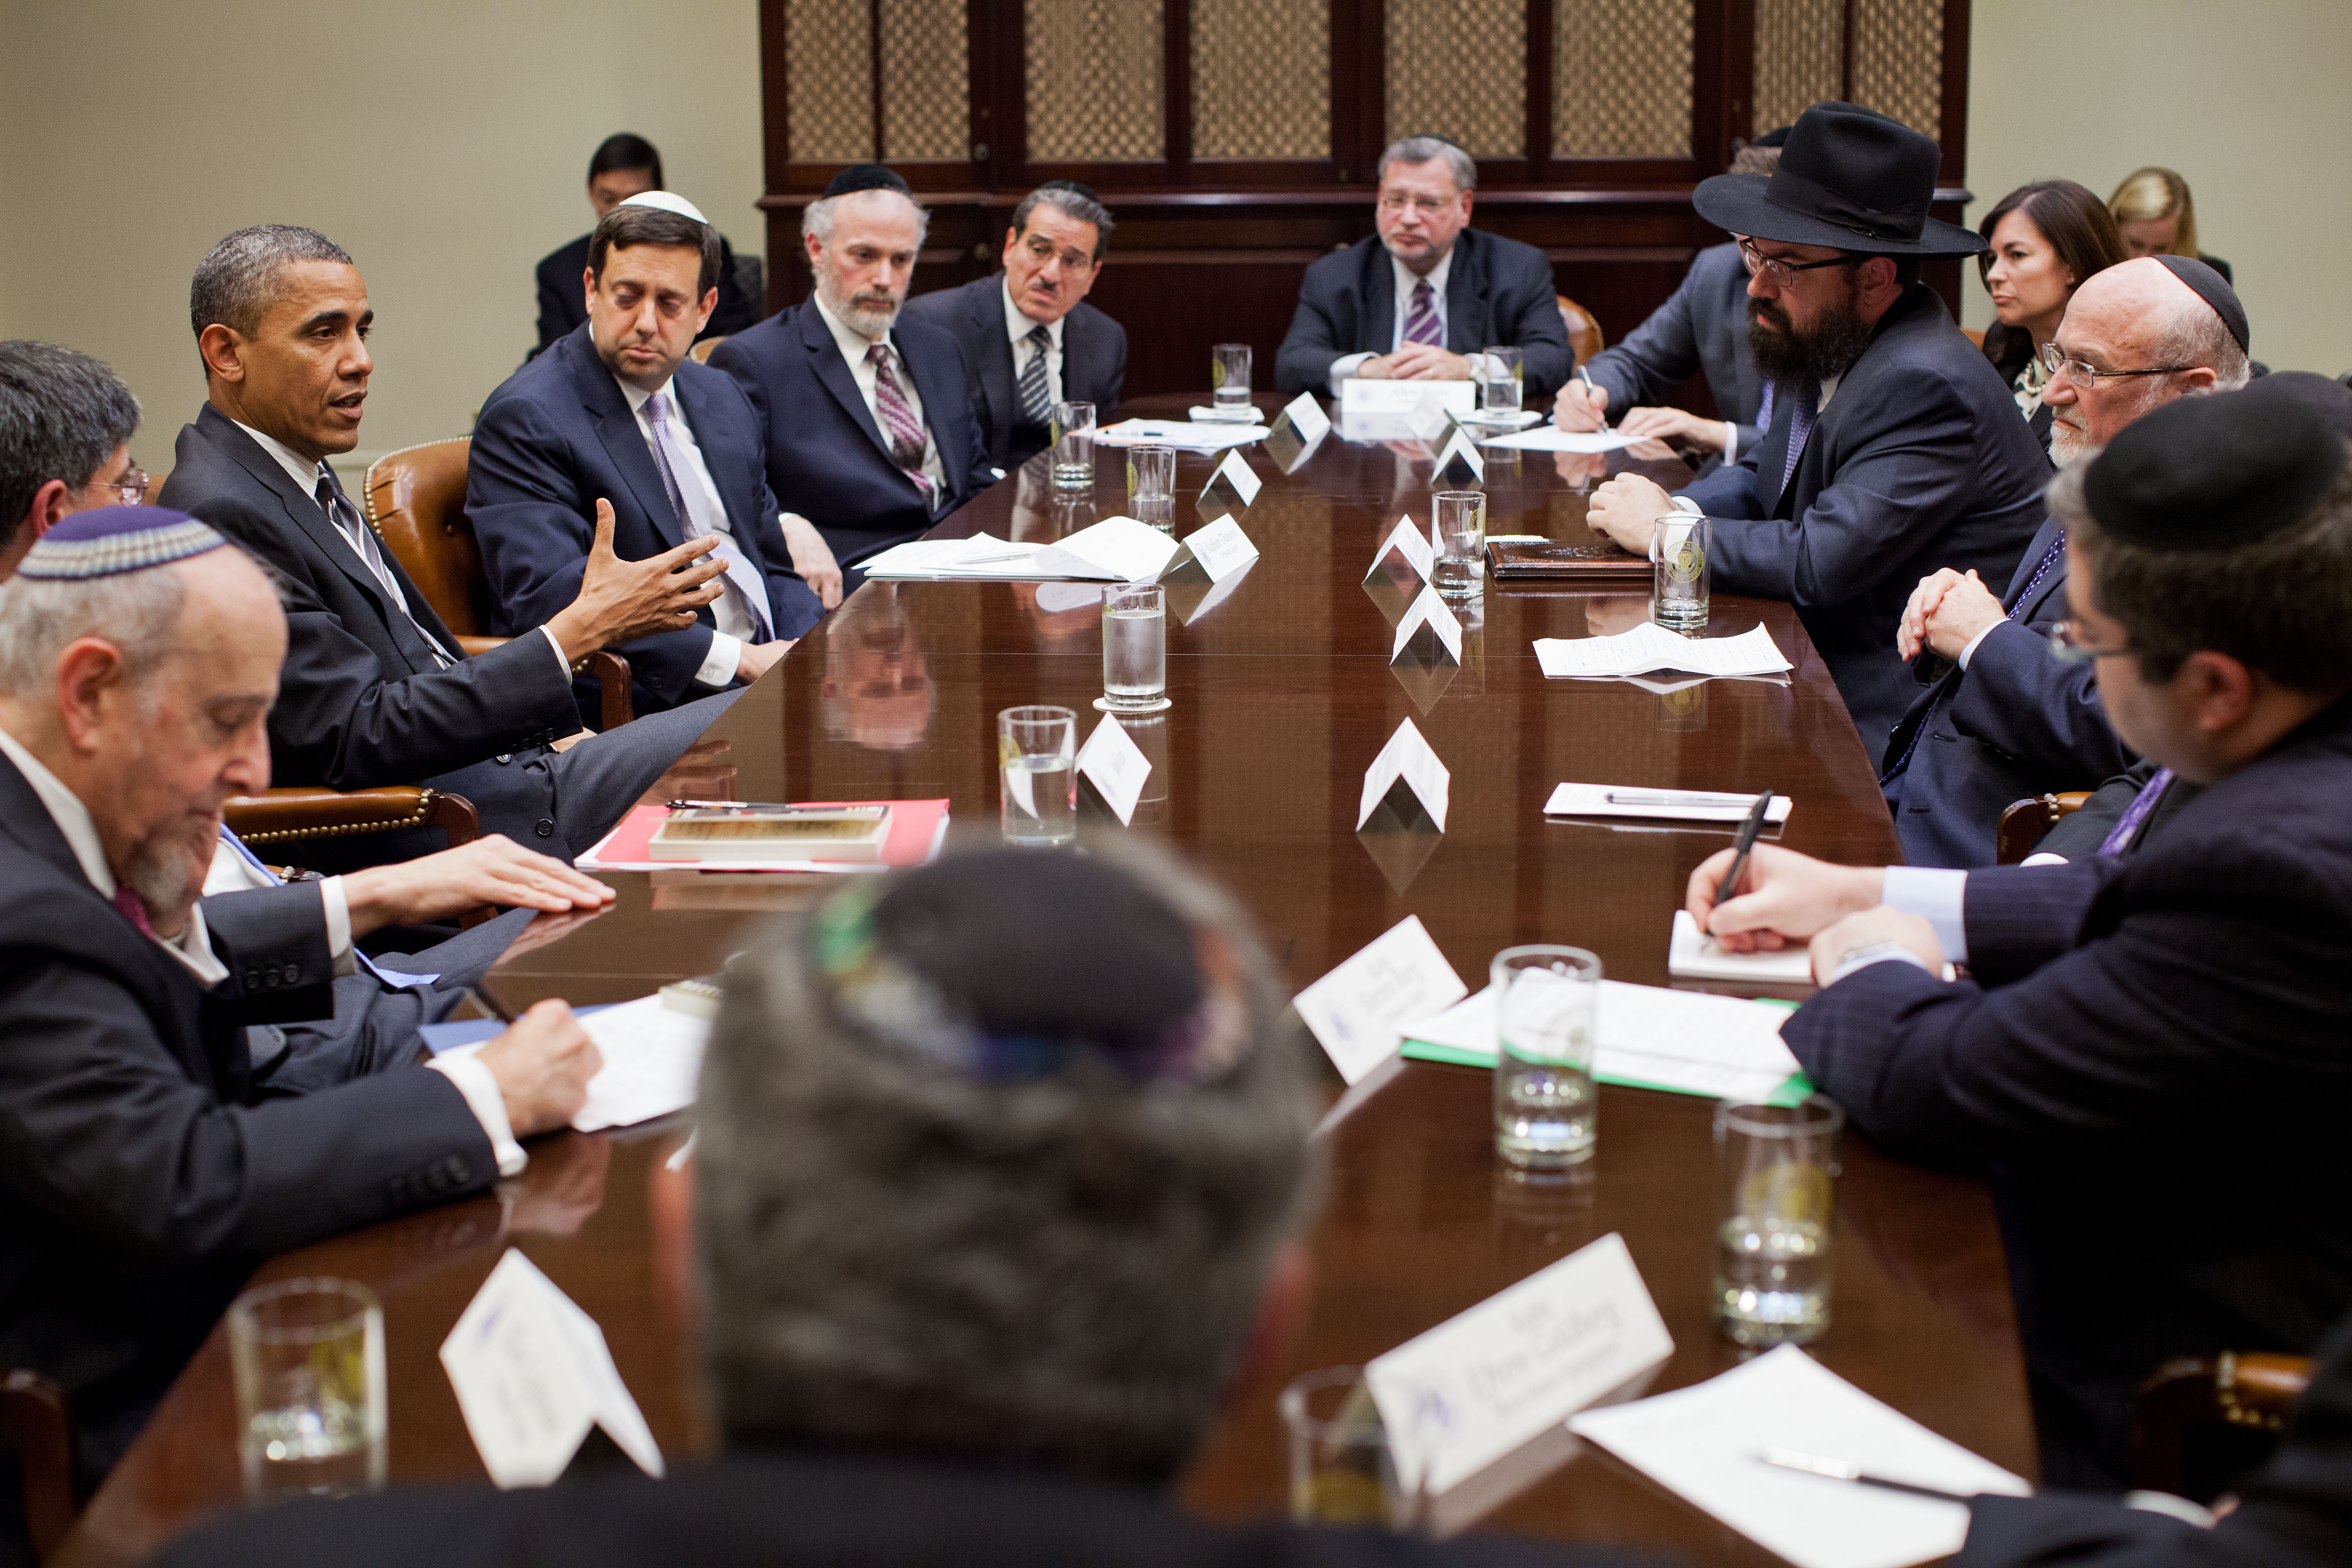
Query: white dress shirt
point(1018, 327)
point(700, 492)
point(306, 479)
point(193, 946)
point(1346, 366)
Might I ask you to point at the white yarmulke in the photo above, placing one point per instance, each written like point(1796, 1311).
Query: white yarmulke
point(668, 202)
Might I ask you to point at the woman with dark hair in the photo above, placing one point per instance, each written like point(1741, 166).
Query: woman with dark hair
point(2046, 238)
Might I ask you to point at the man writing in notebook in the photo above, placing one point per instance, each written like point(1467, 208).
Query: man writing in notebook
point(2149, 1057)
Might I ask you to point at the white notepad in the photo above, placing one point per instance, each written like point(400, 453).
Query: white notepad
point(1691, 954)
point(1660, 805)
point(1649, 646)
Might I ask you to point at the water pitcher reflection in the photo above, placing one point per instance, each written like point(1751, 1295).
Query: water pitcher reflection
point(1547, 1110)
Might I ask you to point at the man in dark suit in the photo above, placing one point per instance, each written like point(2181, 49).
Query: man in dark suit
point(148, 1165)
point(2002, 717)
point(852, 1180)
point(2149, 1059)
point(625, 165)
point(871, 428)
point(616, 413)
point(1427, 292)
point(1894, 447)
point(376, 689)
point(1030, 340)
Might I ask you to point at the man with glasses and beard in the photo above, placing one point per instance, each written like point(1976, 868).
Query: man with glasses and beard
point(1894, 447)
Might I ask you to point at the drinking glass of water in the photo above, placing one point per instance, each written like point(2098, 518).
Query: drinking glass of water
point(1680, 555)
point(1074, 446)
point(1152, 485)
point(1036, 754)
point(1547, 1110)
point(1778, 1166)
point(1229, 375)
point(308, 1356)
point(1458, 531)
point(1135, 648)
point(1500, 373)
point(1340, 1468)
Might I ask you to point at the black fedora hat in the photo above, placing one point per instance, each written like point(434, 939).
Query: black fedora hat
point(1850, 178)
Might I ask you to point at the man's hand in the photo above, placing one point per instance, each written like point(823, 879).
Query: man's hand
point(813, 557)
point(1580, 469)
point(1627, 509)
point(1782, 898)
point(758, 658)
point(1947, 613)
point(1870, 927)
point(495, 870)
point(621, 600)
point(1427, 362)
point(543, 1062)
point(1674, 425)
point(1581, 406)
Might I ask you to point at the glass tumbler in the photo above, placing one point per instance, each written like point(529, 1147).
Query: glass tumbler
point(1229, 375)
point(308, 1358)
point(1036, 753)
point(1074, 445)
point(1546, 1108)
point(1778, 1166)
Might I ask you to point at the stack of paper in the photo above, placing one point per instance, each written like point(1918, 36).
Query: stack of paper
point(1116, 549)
point(1687, 1042)
point(1650, 646)
point(1552, 438)
point(1692, 955)
point(1707, 1442)
point(1184, 434)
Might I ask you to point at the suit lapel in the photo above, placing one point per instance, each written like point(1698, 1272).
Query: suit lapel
point(833, 372)
point(1466, 297)
point(998, 386)
point(736, 483)
point(1376, 333)
point(617, 430)
point(939, 389)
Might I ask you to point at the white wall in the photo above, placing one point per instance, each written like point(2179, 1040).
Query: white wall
point(444, 143)
point(2247, 98)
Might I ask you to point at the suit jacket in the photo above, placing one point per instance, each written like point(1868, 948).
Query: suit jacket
point(562, 303)
point(2294, 1511)
point(361, 700)
point(1919, 462)
point(1702, 326)
point(1094, 362)
point(2151, 1062)
point(2016, 722)
point(1498, 293)
point(826, 457)
point(835, 1509)
point(559, 435)
point(142, 1181)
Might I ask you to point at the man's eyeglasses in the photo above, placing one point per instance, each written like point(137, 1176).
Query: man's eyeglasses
point(131, 487)
point(1427, 206)
point(2054, 361)
point(2067, 648)
point(1782, 272)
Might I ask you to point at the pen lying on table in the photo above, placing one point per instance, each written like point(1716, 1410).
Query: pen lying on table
point(1841, 1470)
point(1676, 798)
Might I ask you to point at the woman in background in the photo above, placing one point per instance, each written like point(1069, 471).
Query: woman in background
point(2046, 238)
point(2153, 209)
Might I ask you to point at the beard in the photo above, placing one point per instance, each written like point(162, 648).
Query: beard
point(2068, 444)
point(1828, 349)
point(868, 315)
point(167, 870)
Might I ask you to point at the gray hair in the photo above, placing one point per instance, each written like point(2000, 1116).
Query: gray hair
point(62, 414)
point(2196, 334)
point(1420, 149)
point(1075, 203)
point(1059, 1269)
point(236, 282)
point(138, 611)
point(818, 219)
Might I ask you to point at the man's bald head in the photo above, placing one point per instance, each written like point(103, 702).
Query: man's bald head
point(2135, 315)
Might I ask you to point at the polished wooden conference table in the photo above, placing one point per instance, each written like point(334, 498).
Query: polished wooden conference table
point(1283, 694)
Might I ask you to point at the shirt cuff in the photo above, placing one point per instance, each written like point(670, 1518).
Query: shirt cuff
point(1876, 952)
point(2043, 857)
point(1730, 442)
point(562, 662)
point(718, 665)
point(1974, 642)
point(1935, 895)
point(480, 1085)
point(339, 927)
point(1344, 369)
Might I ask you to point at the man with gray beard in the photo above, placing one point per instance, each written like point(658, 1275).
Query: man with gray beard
point(2003, 716)
point(871, 428)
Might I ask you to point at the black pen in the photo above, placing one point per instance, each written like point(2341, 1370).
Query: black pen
point(1841, 1470)
point(1746, 841)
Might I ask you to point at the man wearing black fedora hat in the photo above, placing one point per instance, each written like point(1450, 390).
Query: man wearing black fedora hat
point(1895, 448)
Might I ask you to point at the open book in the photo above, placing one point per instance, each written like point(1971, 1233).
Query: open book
point(1116, 549)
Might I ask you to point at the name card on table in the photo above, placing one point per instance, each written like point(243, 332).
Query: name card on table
point(1406, 782)
point(1429, 635)
point(1400, 567)
point(1357, 1012)
point(1114, 766)
point(1297, 431)
point(1231, 488)
point(1221, 549)
point(1458, 462)
point(533, 1373)
point(1360, 394)
point(1484, 1383)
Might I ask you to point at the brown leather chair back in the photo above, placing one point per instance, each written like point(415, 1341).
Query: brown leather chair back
point(2201, 1422)
point(2024, 824)
point(1585, 338)
point(37, 1429)
point(702, 351)
point(417, 504)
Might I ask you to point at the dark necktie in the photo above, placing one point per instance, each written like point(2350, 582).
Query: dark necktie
point(904, 430)
point(740, 575)
point(128, 904)
point(1800, 426)
point(1421, 322)
point(2136, 814)
point(1036, 397)
point(346, 518)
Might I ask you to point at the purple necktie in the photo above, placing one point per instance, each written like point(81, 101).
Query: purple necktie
point(1421, 322)
point(746, 582)
point(2136, 814)
point(1801, 425)
point(1764, 407)
point(899, 421)
point(131, 909)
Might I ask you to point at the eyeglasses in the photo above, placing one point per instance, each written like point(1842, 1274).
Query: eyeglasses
point(131, 487)
point(1782, 273)
point(1427, 206)
point(2066, 647)
point(2054, 361)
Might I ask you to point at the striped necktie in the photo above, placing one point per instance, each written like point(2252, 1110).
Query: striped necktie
point(1421, 322)
point(898, 422)
point(1036, 397)
point(346, 518)
point(740, 575)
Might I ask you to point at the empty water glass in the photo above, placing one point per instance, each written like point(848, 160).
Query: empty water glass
point(1681, 554)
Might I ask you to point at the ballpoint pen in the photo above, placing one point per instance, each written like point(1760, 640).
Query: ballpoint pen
point(784, 805)
point(1676, 797)
point(1842, 1470)
point(1746, 841)
point(1586, 376)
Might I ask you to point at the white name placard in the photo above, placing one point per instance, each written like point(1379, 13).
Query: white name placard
point(1407, 756)
point(1428, 610)
point(1479, 1384)
point(1359, 394)
point(1410, 543)
point(1307, 417)
point(1358, 1011)
point(1222, 548)
point(1460, 453)
point(1236, 472)
point(1116, 766)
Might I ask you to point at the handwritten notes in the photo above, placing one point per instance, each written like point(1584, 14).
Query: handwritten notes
point(1649, 646)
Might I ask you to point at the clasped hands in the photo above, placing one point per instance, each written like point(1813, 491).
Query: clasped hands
point(1948, 611)
point(1416, 362)
point(1784, 898)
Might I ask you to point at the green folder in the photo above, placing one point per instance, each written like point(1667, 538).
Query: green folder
point(1793, 1089)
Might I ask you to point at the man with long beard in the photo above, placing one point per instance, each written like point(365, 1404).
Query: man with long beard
point(1894, 447)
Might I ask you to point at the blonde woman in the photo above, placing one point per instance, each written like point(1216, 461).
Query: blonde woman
point(2153, 209)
